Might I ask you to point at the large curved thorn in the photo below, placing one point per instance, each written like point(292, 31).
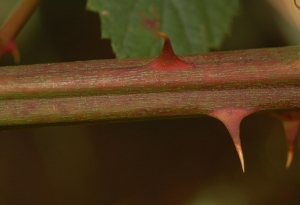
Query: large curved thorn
point(291, 123)
point(232, 117)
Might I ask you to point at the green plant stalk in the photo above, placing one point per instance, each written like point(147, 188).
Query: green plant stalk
point(110, 90)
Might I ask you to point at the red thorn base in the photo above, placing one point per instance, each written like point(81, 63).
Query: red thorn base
point(232, 117)
point(167, 60)
point(10, 47)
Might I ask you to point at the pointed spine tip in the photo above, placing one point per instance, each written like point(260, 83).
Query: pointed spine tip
point(291, 129)
point(296, 5)
point(165, 36)
point(231, 118)
point(290, 155)
point(239, 150)
point(291, 122)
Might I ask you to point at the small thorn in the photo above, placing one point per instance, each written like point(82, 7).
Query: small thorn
point(291, 129)
point(289, 160)
point(238, 146)
point(167, 60)
point(10, 47)
point(291, 123)
point(296, 5)
point(232, 117)
point(16, 55)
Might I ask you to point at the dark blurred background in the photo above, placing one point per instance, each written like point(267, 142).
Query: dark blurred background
point(163, 162)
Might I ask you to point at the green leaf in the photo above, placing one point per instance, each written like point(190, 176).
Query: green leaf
point(193, 26)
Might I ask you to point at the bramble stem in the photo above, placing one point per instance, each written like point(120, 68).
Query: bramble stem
point(262, 79)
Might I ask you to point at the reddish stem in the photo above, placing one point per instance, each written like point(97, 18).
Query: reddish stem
point(261, 79)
